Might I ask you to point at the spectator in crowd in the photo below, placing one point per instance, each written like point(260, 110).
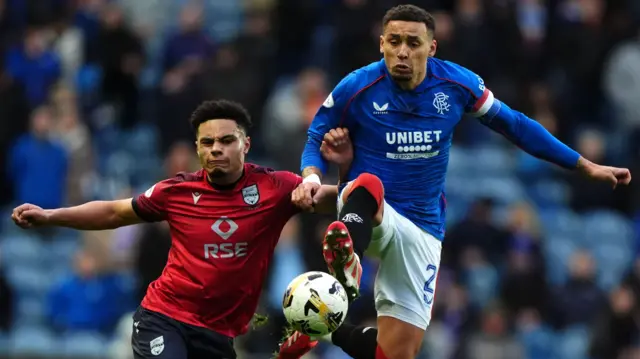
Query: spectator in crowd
point(35, 159)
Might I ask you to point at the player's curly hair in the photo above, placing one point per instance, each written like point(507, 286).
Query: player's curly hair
point(409, 13)
point(221, 110)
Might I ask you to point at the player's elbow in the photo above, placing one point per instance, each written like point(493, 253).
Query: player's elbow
point(122, 213)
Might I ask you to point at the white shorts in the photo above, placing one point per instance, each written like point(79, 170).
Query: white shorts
point(409, 262)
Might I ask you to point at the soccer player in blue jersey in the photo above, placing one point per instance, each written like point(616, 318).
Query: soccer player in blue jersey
point(400, 113)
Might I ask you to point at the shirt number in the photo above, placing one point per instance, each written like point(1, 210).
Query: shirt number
point(428, 287)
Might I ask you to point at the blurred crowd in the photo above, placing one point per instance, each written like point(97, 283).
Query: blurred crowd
point(95, 97)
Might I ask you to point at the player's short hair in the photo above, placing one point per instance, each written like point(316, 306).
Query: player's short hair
point(221, 110)
point(410, 13)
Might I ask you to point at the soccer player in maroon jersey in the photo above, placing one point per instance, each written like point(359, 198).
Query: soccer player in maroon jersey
point(225, 221)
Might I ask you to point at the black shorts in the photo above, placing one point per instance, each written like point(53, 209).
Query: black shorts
point(156, 336)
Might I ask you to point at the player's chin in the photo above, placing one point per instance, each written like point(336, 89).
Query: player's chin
point(402, 77)
point(217, 172)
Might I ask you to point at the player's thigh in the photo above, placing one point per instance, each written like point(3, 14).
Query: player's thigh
point(156, 337)
point(406, 281)
point(207, 344)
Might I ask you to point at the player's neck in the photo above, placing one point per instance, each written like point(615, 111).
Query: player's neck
point(414, 83)
point(226, 182)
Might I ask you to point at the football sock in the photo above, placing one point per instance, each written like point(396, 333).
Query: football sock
point(357, 215)
point(357, 342)
point(380, 354)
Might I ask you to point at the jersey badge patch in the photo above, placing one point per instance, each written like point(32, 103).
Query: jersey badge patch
point(251, 195)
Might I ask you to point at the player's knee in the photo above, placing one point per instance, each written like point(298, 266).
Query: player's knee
point(398, 339)
point(398, 351)
point(372, 184)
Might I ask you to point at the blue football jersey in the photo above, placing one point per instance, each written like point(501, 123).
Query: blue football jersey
point(401, 136)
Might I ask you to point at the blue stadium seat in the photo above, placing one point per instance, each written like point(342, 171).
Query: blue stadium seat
point(458, 188)
point(85, 345)
point(505, 190)
point(460, 162)
point(538, 343)
point(120, 164)
point(5, 343)
point(561, 222)
point(61, 251)
point(613, 261)
point(28, 279)
point(21, 248)
point(30, 310)
point(573, 343)
point(33, 340)
point(549, 194)
point(492, 160)
point(608, 226)
point(557, 251)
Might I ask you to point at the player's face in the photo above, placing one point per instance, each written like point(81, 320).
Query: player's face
point(406, 46)
point(222, 146)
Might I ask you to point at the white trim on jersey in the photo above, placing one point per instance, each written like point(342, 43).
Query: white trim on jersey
point(483, 105)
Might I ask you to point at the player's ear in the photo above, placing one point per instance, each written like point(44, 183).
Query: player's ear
point(433, 48)
point(381, 44)
point(247, 145)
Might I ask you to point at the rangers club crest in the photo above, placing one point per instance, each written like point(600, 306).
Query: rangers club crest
point(250, 195)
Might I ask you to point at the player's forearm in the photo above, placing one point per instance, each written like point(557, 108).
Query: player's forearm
point(533, 138)
point(326, 197)
point(96, 215)
point(312, 161)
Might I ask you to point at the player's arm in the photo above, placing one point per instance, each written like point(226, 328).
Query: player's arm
point(325, 200)
point(537, 141)
point(525, 132)
point(521, 130)
point(328, 117)
point(96, 215)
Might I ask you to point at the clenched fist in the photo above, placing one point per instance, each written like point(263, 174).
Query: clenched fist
point(29, 215)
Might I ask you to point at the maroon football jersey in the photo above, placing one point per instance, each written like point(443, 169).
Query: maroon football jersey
point(222, 243)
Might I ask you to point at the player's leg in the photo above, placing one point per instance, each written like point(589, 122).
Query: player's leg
point(360, 210)
point(207, 344)
point(358, 342)
point(155, 336)
point(404, 294)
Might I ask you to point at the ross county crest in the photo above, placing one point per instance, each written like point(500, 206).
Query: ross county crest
point(250, 195)
point(440, 102)
point(157, 345)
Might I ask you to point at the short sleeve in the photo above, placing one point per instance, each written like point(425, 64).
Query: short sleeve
point(287, 182)
point(151, 206)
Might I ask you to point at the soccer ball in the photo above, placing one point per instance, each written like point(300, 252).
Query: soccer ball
point(315, 303)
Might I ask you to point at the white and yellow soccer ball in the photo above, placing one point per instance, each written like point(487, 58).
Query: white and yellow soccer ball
point(315, 304)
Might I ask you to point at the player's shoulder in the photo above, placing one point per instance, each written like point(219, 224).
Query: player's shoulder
point(357, 80)
point(272, 178)
point(454, 73)
point(179, 179)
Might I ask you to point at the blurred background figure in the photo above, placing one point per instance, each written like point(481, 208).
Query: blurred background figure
point(95, 97)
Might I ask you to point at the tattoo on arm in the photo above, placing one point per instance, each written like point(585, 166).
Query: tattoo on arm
point(311, 170)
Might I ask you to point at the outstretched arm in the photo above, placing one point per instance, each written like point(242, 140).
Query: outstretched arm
point(151, 206)
point(537, 141)
point(96, 215)
point(527, 134)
